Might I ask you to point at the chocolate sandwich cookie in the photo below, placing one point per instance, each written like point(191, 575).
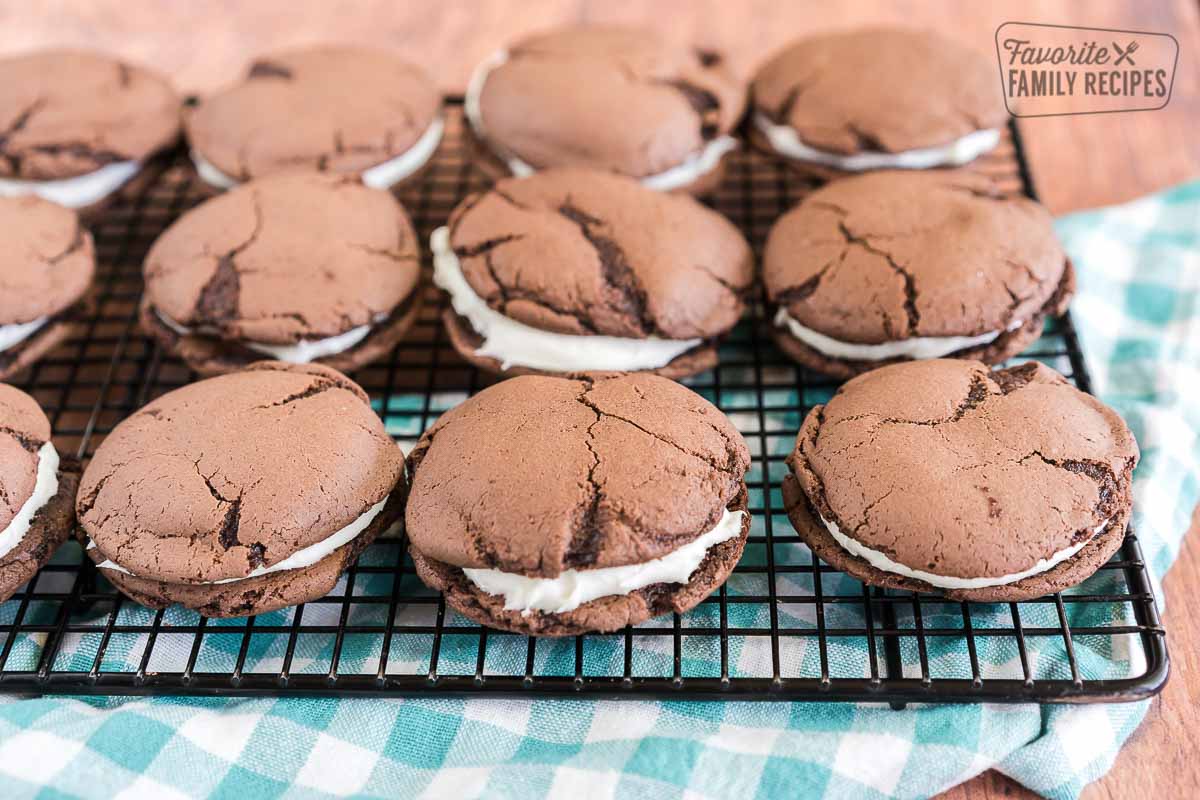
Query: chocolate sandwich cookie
point(876, 98)
point(572, 270)
point(37, 491)
point(47, 263)
point(242, 493)
point(609, 98)
point(301, 268)
point(894, 266)
point(75, 127)
point(557, 506)
point(332, 109)
point(942, 476)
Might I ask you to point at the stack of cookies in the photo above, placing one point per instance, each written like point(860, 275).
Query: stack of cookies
point(588, 491)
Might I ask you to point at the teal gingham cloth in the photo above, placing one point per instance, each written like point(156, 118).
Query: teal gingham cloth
point(1138, 312)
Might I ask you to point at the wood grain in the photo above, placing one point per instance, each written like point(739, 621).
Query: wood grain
point(1078, 162)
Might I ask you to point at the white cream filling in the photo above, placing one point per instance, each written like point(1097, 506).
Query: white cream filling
point(882, 562)
point(915, 347)
point(45, 486)
point(786, 141)
point(515, 344)
point(391, 172)
point(573, 588)
point(209, 173)
point(304, 557)
point(691, 169)
point(19, 331)
point(302, 352)
point(380, 176)
point(75, 192)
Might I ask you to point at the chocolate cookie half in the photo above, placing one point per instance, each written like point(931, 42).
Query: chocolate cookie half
point(301, 268)
point(37, 491)
point(609, 98)
point(876, 98)
point(942, 476)
point(895, 266)
point(332, 109)
point(572, 270)
point(242, 493)
point(46, 268)
point(558, 506)
point(75, 127)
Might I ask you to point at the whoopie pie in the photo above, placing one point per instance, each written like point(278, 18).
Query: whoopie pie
point(337, 109)
point(75, 127)
point(893, 266)
point(572, 270)
point(945, 476)
point(610, 98)
point(37, 490)
point(47, 263)
point(242, 493)
point(876, 98)
point(299, 267)
point(556, 506)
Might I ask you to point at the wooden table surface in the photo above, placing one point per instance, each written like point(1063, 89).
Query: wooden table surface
point(1078, 162)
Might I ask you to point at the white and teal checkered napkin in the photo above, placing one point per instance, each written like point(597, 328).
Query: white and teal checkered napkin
point(1139, 315)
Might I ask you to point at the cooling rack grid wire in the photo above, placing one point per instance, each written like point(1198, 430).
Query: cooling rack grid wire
point(785, 626)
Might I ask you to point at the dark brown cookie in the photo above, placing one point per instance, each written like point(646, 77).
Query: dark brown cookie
point(300, 267)
point(572, 270)
point(333, 109)
point(609, 98)
point(37, 495)
point(538, 476)
point(241, 493)
point(875, 93)
point(893, 266)
point(46, 271)
point(943, 476)
point(76, 126)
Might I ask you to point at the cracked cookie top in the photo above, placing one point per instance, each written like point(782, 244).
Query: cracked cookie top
point(23, 430)
point(537, 475)
point(879, 90)
point(65, 114)
point(285, 258)
point(617, 99)
point(950, 468)
point(232, 473)
point(331, 109)
point(895, 255)
point(48, 259)
point(583, 252)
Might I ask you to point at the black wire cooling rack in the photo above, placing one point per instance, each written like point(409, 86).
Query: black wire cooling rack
point(785, 626)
